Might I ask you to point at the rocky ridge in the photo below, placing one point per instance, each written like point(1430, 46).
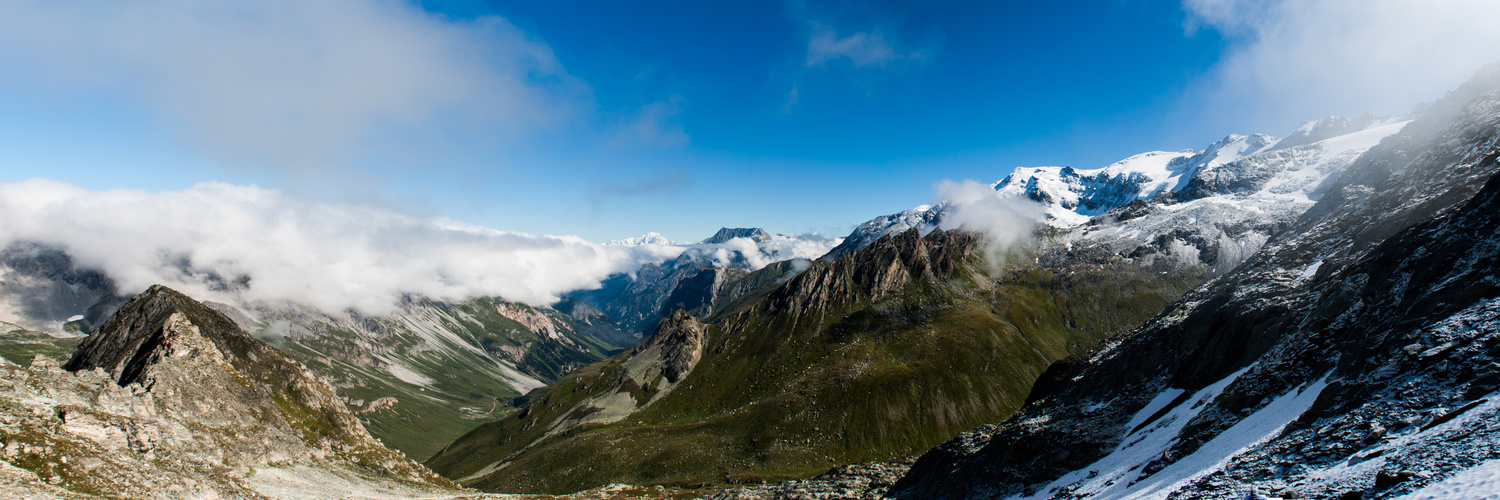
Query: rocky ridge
point(170, 399)
point(1352, 356)
point(407, 360)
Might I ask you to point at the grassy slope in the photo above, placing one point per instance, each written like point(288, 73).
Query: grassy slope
point(783, 394)
point(468, 387)
point(19, 345)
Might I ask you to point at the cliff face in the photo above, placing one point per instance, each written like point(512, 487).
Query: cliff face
point(169, 399)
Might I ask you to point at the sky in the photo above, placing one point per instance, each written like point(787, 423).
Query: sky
point(599, 120)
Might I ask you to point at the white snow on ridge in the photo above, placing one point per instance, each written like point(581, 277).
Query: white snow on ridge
point(1119, 475)
point(1072, 196)
point(1112, 475)
point(1232, 185)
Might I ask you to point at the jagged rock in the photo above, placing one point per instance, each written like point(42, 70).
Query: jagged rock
point(170, 399)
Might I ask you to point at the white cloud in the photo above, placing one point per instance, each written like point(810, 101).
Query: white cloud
point(976, 207)
point(1291, 60)
point(327, 256)
point(861, 48)
point(294, 83)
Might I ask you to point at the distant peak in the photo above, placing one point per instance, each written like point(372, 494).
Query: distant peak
point(651, 238)
point(729, 233)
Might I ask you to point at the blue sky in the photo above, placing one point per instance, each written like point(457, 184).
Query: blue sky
point(610, 119)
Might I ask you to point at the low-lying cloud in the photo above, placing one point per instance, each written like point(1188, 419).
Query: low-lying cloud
point(749, 254)
point(296, 84)
point(248, 244)
point(1292, 60)
point(974, 206)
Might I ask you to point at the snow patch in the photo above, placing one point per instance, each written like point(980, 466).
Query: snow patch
point(1480, 482)
point(408, 375)
point(1109, 477)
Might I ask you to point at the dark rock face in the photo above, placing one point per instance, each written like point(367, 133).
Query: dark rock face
point(1380, 299)
point(680, 339)
point(697, 294)
point(637, 302)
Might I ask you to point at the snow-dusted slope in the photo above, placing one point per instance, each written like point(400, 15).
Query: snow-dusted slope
point(1213, 207)
point(1355, 355)
point(1226, 211)
point(1071, 197)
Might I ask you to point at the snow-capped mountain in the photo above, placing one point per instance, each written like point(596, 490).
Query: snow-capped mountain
point(636, 300)
point(1353, 356)
point(1212, 207)
point(651, 238)
point(1071, 197)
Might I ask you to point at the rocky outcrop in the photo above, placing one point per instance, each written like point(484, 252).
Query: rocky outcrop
point(680, 341)
point(169, 399)
point(886, 266)
point(866, 481)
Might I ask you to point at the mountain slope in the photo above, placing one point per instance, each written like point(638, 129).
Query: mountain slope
point(848, 361)
point(1352, 356)
point(636, 301)
point(169, 399)
point(417, 377)
point(434, 370)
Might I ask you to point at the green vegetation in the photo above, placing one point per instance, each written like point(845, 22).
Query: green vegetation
point(453, 360)
point(19, 345)
point(879, 356)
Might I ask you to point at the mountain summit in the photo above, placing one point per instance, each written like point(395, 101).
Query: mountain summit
point(170, 399)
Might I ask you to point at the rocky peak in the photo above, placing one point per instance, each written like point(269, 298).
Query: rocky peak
point(680, 341)
point(185, 353)
point(729, 233)
point(170, 399)
point(885, 266)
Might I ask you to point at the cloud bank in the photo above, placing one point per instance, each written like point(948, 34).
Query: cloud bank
point(294, 83)
point(1290, 60)
point(250, 244)
point(750, 254)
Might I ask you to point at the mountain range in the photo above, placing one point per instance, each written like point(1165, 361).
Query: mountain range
point(1307, 316)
